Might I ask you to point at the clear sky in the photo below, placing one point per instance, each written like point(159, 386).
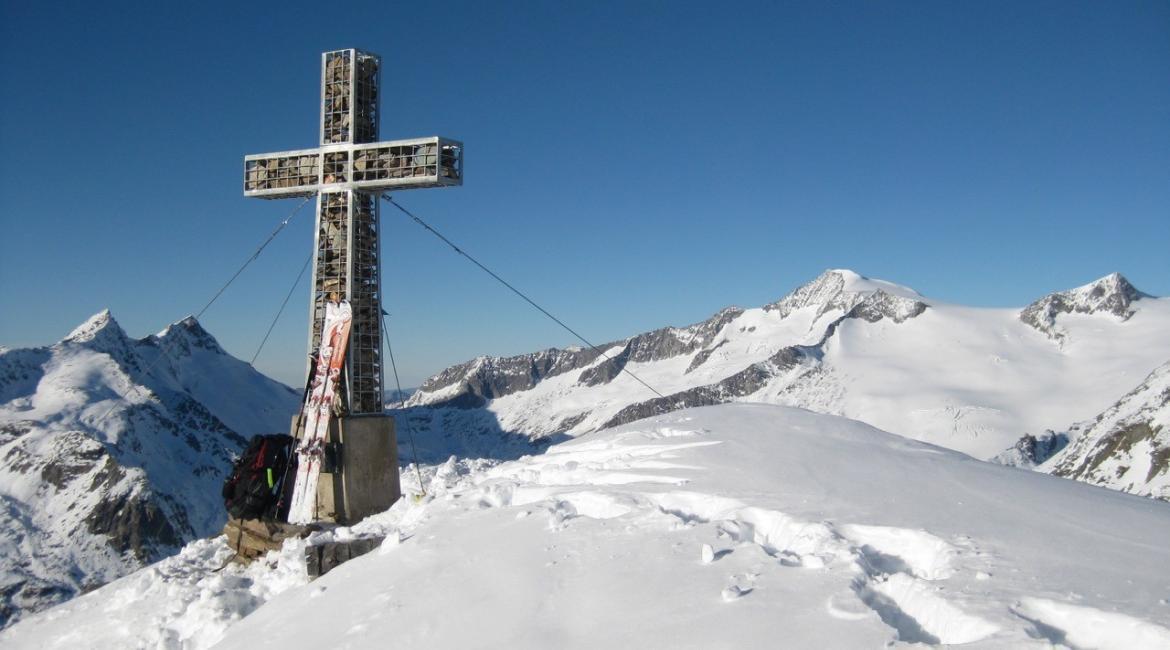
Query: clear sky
point(629, 164)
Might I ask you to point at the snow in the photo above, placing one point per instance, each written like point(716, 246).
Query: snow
point(1086, 627)
point(741, 525)
point(184, 601)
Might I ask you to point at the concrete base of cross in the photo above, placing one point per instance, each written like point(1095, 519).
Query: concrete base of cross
point(365, 481)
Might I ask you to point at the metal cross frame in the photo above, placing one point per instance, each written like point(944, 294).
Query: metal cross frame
point(347, 172)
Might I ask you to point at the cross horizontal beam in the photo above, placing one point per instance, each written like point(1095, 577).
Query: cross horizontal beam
point(373, 167)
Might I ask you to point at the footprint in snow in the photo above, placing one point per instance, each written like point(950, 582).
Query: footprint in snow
point(735, 592)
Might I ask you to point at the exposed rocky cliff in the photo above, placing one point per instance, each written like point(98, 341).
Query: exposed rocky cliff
point(1126, 447)
point(472, 384)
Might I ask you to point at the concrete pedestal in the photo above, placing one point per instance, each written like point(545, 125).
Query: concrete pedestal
point(366, 482)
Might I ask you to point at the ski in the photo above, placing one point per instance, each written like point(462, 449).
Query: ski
point(318, 410)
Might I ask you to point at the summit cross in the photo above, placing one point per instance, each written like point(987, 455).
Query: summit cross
point(347, 173)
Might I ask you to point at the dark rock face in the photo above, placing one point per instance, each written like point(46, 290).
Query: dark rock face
point(703, 356)
point(742, 383)
point(62, 468)
point(134, 523)
point(487, 378)
point(670, 342)
point(606, 371)
point(879, 305)
point(1030, 450)
point(1112, 294)
point(1118, 442)
point(20, 371)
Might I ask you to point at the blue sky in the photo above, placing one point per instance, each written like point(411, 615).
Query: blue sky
point(630, 165)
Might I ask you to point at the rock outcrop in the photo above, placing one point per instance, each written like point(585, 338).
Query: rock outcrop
point(1126, 447)
point(1112, 294)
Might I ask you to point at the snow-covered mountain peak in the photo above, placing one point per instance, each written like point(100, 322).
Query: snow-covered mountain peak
point(839, 289)
point(858, 283)
point(1112, 294)
point(102, 334)
point(185, 334)
point(99, 326)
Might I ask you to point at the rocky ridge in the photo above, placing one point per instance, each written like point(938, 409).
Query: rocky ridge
point(972, 379)
point(1112, 294)
point(474, 383)
point(1126, 447)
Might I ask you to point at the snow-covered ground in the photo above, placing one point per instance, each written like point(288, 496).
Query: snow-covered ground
point(732, 526)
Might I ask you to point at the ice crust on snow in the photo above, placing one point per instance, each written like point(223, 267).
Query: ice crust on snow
point(830, 533)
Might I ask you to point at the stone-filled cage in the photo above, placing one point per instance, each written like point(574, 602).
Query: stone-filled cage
point(349, 96)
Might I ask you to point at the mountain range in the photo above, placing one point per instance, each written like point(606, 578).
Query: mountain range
point(977, 380)
point(113, 452)
point(114, 448)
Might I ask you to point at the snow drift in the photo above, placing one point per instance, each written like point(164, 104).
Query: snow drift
point(727, 526)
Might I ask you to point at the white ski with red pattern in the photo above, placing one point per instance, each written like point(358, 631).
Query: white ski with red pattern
point(318, 410)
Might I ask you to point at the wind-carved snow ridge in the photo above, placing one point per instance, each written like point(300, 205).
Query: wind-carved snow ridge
point(1088, 627)
point(728, 526)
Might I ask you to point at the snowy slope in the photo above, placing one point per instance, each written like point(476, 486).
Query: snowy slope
point(733, 526)
point(1127, 447)
point(969, 379)
point(113, 455)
